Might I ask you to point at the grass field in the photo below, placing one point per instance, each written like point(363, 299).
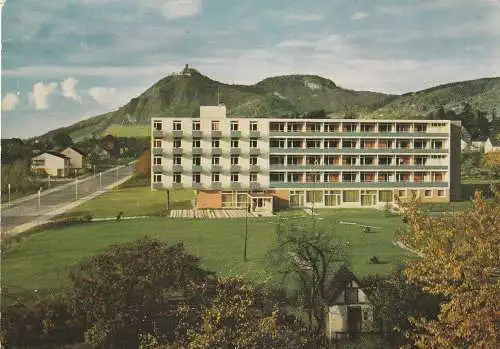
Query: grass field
point(135, 201)
point(143, 130)
point(42, 261)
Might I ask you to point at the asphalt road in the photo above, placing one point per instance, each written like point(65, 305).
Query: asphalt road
point(32, 209)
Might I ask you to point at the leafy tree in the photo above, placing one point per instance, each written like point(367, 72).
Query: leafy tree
point(311, 255)
point(492, 163)
point(62, 140)
point(460, 263)
point(143, 166)
point(132, 290)
point(237, 316)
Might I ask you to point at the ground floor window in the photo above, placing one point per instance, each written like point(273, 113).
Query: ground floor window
point(177, 177)
point(385, 196)
point(441, 192)
point(401, 193)
point(314, 196)
point(351, 196)
point(234, 200)
point(368, 197)
point(428, 193)
point(332, 197)
point(157, 178)
point(296, 198)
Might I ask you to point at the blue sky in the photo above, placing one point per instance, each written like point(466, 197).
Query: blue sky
point(66, 60)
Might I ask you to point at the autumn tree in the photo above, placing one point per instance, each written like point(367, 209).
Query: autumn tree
point(143, 166)
point(238, 316)
point(311, 255)
point(133, 290)
point(460, 264)
point(492, 162)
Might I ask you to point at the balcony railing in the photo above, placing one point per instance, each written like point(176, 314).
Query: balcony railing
point(216, 168)
point(196, 168)
point(254, 168)
point(355, 151)
point(157, 151)
point(177, 134)
point(235, 185)
point(359, 134)
point(235, 151)
point(196, 151)
point(157, 133)
point(196, 134)
point(254, 185)
point(235, 134)
point(197, 186)
point(339, 167)
point(216, 151)
point(157, 185)
point(235, 168)
point(216, 134)
point(177, 168)
point(254, 134)
point(177, 151)
point(254, 151)
point(216, 185)
point(374, 185)
point(177, 186)
point(157, 168)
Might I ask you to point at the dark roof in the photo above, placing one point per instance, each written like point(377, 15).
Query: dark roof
point(81, 152)
point(339, 281)
point(56, 154)
point(479, 139)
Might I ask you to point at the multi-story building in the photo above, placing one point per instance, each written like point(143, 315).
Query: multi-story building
point(263, 163)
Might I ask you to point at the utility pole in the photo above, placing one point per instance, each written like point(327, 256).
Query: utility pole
point(100, 181)
point(8, 185)
point(246, 234)
point(76, 188)
point(49, 181)
point(39, 196)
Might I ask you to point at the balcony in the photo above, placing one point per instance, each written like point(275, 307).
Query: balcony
point(177, 151)
point(177, 134)
point(197, 151)
point(254, 134)
point(196, 168)
point(157, 185)
point(235, 151)
point(177, 168)
point(254, 185)
point(355, 151)
point(235, 185)
point(216, 151)
point(157, 151)
point(196, 134)
point(216, 134)
point(235, 134)
point(177, 186)
point(157, 168)
point(358, 185)
point(254, 151)
point(157, 133)
point(216, 168)
point(358, 134)
point(235, 168)
point(197, 186)
point(216, 185)
point(254, 168)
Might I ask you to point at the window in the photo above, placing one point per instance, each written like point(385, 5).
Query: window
point(403, 128)
point(276, 177)
point(215, 126)
point(403, 144)
point(440, 192)
point(349, 128)
point(295, 127)
point(157, 160)
point(253, 143)
point(235, 177)
point(215, 160)
point(383, 177)
point(349, 177)
point(384, 144)
point(294, 160)
point(437, 144)
point(331, 143)
point(177, 160)
point(331, 177)
point(348, 143)
point(368, 144)
point(401, 193)
point(177, 177)
point(157, 178)
point(314, 196)
point(428, 193)
point(419, 176)
point(351, 295)
point(196, 126)
point(313, 160)
point(235, 143)
point(277, 143)
point(235, 159)
point(196, 160)
point(253, 177)
point(313, 143)
point(313, 127)
point(177, 143)
point(420, 127)
point(367, 127)
point(385, 196)
point(38, 162)
point(348, 160)
point(253, 160)
point(402, 177)
point(277, 160)
point(157, 125)
point(234, 126)
point(384, 128)
point(437, 177)
point(384, 160)
point(177, 126)
point(216, 143)
point(367, 177)
point(295, 177)
point(215, 177)
point(196, 177)
point(367, 160)
point(403, 160)
point(196, 143)
point(312, 177)
point(420, 160)
point(351, 196)
point(294, 143)
point(419, 144)
point(277, 127)
point(157, 143)
point(253, 126)
point(331, 127)
point(332, 160)
point(332, 197)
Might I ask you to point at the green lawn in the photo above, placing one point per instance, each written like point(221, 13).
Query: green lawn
point(136, 201)
point(42, 261)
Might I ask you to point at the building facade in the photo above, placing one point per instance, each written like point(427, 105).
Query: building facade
point(51, 163)
point(78, 159)
point(243, 162)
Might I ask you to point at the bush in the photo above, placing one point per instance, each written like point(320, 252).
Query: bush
point(367, 230)
point(375, 260)
point(87, 218)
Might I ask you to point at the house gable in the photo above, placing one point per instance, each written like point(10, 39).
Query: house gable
point(345, 288)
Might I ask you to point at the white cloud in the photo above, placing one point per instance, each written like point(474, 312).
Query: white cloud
point(68, 88)
point(40, 94)
point(304, 17)
point(10, 101)
point(172, 9)
point(107, 96)
point(359, 15)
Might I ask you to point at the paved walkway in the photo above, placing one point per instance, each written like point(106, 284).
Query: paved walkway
point(214, 214)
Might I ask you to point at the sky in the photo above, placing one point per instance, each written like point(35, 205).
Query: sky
point(67, 60)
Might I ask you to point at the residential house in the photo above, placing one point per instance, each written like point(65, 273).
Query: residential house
point(238, 162)
point(477, 144)
point(52, 163)
point(78, 159)
point(491, 144)
point(350, 311)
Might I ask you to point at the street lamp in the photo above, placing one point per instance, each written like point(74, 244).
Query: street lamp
point(246, 233)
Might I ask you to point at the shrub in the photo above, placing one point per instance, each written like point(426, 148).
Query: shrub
point(367, 230)
point(87, 218)
point(375, 260)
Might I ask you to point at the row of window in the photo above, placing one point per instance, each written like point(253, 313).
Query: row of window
point(196, 125)
point(277, 126)
point(353, 143)
point(216, 143)
point(196, 160)
point(383, 160)
point(336, 177)
point(216, 177)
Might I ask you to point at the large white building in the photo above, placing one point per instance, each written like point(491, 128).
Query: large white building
point(233, 162)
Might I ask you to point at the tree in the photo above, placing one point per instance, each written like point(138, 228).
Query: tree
point(238, 316)
point(461, 264)
point(133, 289)
point(311, 255)
point(491, 161)
point(62, 140)
point(143, 166)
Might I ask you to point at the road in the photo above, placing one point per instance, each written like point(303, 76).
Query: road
point(35, 208)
